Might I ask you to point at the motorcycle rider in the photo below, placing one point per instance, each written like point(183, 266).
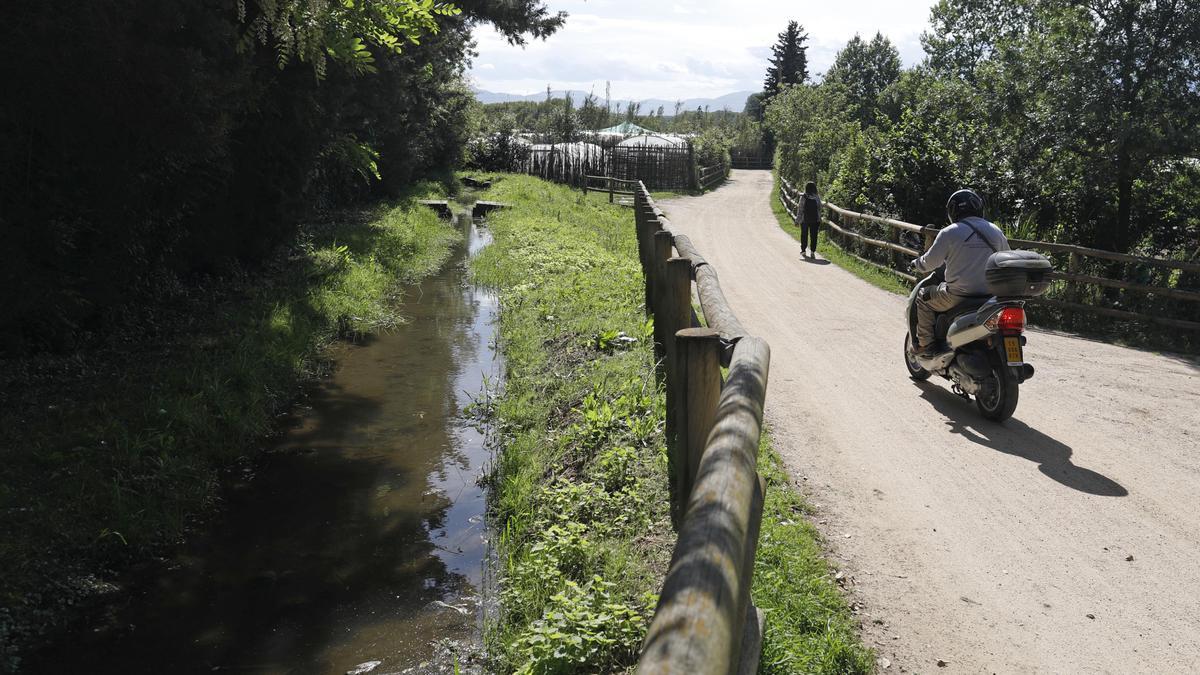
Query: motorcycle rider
point(963, 247)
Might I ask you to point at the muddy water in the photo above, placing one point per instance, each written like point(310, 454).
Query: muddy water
point(360, 539)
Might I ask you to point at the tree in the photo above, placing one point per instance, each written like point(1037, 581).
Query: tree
point(810, 125)
point(865, 69)
point(1138, 66)
point(755, 107)
point(564, 123)
point(789, 60)
point(313, 30)
point(1130, 67)
point(230, 149)
point(591, 115)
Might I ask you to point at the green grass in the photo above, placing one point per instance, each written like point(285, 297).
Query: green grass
point(809, 628)
point(835, 254)
point(579, 488)
point(109, 456)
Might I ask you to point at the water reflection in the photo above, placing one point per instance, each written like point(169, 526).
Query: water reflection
point(360, 540)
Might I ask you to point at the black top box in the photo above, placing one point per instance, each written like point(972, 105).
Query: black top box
point(1018, 274)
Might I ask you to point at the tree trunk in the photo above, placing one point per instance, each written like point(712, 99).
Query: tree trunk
point(1120, 234)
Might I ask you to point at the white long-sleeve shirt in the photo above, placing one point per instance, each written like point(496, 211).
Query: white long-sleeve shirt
point(965, 255)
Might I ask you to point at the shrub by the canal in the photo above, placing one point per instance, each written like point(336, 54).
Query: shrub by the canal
point(579, 483)
point(109, 454)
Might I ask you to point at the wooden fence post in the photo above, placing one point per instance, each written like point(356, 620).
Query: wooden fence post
point(610, 190)
point(663, 242)
point(698, 363)
point(897, 261)
point(930, 235)
point(693, 172)
point(1074, 265)
point(676, 315)
point(645, 237)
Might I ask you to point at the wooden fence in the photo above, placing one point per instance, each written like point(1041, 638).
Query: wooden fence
point(750, 159)
point(609, 185)
point(704, 622)
point(1069, 295)
point(708, 177)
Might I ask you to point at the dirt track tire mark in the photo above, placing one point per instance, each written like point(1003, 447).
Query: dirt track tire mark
point(990, 547)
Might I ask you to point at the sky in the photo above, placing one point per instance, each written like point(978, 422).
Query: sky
point(688, 48)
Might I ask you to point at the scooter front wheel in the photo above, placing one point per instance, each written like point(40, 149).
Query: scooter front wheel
point(998, 399)
point(915, 371)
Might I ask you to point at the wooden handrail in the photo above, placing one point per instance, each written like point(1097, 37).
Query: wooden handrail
point(717, 313)
point(1108, 255)
point(704, 621)
point(1115, 283)
point(702, 610)
point(615, 180)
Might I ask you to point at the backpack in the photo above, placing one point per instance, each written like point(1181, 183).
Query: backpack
point(811, 208)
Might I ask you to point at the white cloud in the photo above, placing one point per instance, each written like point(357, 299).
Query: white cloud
point(699, 48)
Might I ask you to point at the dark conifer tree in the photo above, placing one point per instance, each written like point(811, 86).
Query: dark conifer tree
point(789, 60)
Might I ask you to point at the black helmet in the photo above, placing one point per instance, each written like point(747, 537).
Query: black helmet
point(963, 204)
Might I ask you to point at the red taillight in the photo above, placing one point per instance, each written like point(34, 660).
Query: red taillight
point(1012, 319)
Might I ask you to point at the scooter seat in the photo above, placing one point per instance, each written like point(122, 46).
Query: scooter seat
point(969, 305)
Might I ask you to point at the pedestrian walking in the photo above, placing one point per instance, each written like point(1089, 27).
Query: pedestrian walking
point(810, 218)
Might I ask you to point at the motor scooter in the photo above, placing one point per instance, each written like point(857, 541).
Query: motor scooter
point(983, 340)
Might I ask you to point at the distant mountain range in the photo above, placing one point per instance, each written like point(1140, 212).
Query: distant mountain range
point(735, 101)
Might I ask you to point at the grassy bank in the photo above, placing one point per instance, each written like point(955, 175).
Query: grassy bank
point(578, 487)
point(809, 626)
point(110, 454)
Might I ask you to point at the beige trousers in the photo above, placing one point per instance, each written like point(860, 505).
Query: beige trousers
point(934, 300)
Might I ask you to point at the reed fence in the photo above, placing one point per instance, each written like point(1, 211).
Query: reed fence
point(575, 164)
point(705, 621)
point(1081, 288)
point(570, 165)
point(660, 168)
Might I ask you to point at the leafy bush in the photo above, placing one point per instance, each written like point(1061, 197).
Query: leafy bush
point(583, 626)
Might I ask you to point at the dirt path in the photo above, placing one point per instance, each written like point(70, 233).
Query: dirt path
point(1065, 540)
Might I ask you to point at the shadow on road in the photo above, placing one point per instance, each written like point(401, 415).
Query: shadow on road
point(1019, 439)
point(814, 261)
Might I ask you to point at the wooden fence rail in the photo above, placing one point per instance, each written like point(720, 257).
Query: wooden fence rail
point(704, 621)
point(789, 197)
point(610, 184)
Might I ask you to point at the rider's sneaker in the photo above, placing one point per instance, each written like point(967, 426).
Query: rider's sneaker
point(928, 350)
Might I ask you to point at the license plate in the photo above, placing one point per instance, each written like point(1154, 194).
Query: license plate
point(1012, 349)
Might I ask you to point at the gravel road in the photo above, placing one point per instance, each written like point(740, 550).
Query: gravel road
point(1065, 540)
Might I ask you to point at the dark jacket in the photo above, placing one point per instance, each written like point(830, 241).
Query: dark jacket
point(810, 209)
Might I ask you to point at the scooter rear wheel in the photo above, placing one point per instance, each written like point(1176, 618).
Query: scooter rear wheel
point(915, 371)
point(998, 400)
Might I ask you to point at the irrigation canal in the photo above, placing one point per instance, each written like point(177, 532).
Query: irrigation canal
point(361, 539)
